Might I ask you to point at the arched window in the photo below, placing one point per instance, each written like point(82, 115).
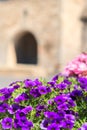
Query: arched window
point(26, 48)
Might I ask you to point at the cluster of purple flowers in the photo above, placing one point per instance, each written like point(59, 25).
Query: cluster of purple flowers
point(59, 104)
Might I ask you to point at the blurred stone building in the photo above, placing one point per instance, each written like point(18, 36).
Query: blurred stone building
point(38, 37)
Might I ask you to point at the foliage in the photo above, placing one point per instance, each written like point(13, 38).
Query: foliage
point(58, 104)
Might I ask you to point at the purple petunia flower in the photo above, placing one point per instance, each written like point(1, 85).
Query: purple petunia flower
point(76, 93)
point(63, 107)
point(37, 82)
point(71, 103)
point(60, 99)
point(35, 93)
point(61, 115)
point(6, 93)
point(23, 123)
point(42, 90)
point(6, 123)
point(68, 124)
point(83, 127)
point(50, 115)
point(61, 86)
point(51, 84)
point(27, 125)
point(3, 107)
point(16, 86)
point(55, 77)
point(83, 83)
point(50, 101)
point(38, 113)
point(48, 89)
point(44, 124)
point(53, 126)
point(20, 115)
point(13, 108)
point(6, 90)
point(21, 97)
point(67, 82)
point(29, 83)
point(27, 109)
point(41, 107)
point(17, 124)
point(3, 90)
point(69, 117)
point(82, 80)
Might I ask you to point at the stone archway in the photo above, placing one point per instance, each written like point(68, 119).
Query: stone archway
point(26, 48)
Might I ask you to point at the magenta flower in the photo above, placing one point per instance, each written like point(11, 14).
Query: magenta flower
point(41, 107)
point(63, 107)
point(42, 90)
point(61, 86)
point(37, 82)
point(69, 117)
point(83, 127)
point(68, 124)
point(27, 109)
point(17, 124)
point(44, 124)
point(51, 115)
point(6, 123)
point(60, 99)
point(13, 108)
point(6, 93)
point(3, 107)
point(76, 66)
point(53, 126)
point(21, 97)
point(20, 115)
point(23, 123)
point(29, 83)
point(35, 93)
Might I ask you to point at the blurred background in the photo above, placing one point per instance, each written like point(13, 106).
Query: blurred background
point(39, 37)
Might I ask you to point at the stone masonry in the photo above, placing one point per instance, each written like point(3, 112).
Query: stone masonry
point(56, 26)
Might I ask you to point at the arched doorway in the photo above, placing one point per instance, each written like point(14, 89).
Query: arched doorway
point(26, 48)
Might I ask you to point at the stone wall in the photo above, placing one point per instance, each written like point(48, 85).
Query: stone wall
point(71, 32)
point(55, 24)
point(36, 16)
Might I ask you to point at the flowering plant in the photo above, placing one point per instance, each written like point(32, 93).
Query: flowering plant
point(58, 104)
point(39, 105)
point(77, 66)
